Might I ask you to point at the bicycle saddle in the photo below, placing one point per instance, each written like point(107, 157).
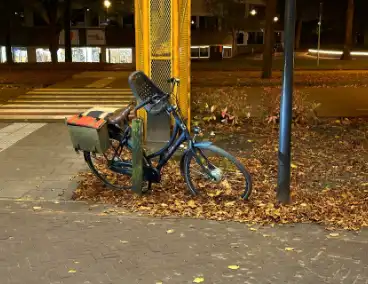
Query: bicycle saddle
point(120, 117)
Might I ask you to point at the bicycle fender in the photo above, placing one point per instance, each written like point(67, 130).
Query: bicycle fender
point(202, 145)
point(182, 160)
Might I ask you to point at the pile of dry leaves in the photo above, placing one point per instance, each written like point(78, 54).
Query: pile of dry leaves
point(329, 181)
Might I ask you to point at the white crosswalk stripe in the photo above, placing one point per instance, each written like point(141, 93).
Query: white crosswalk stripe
point(15, 132)
point(56, 104)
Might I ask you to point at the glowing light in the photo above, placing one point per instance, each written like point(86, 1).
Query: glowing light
point(275, 19)
point(107, 4)
point(201, 46)
point(253, 12)
point(193, 22)
point(327, 52)
point(337, 52)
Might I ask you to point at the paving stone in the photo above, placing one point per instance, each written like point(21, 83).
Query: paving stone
point(46, 245)
point(43, 160)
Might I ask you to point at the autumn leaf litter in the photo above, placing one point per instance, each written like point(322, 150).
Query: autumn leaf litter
point(329, 182)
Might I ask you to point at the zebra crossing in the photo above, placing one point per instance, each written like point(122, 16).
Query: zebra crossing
point(56, 104)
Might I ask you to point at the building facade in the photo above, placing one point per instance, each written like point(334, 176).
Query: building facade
point(100, 35)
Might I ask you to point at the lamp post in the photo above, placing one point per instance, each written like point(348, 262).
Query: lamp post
point(319, 31)
point(283, 182)
point(107, 5)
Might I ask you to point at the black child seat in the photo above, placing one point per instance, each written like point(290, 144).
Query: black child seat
point(143, 88)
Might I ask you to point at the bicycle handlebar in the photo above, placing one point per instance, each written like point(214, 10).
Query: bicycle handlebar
point(174, 81)
point(151, 100)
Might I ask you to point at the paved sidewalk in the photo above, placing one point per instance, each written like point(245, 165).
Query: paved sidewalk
point(73, 243)
point(40, 165)
point(64, 242)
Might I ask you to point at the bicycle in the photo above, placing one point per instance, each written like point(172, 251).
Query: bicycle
point(155, 101)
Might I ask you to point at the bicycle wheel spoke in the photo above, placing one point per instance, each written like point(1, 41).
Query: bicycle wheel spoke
point(224, 176)
point(103, 166)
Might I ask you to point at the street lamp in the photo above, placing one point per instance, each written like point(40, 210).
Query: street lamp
point(276, 19)
point(253, 12)
point(107, 5)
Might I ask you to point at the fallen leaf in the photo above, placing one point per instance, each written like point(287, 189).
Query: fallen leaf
point(250, 141)
point(170, 231)
point(229, 204)
point(159, 283)
point(198, 280)
point(233, 267)
point(123, 242)
point(191, 203)
point(289, 249)
point(253, 229)
point(72, 271)
point(334, 234)
point(330, 195)
point(294, 166)
point(36, 208)
point(266, 235)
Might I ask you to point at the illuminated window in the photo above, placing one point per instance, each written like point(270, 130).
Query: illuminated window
point(81, 54)
point(200, 52)
point(43, 55)
point(194, 52)
point(119, 55)
point(2, 54)
point(227, 52)
point(20, 54)
point(204, 52)
point(61, 55)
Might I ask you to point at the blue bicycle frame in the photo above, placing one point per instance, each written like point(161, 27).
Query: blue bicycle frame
point(179, 135)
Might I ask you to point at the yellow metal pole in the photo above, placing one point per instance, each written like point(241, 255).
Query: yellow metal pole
point(142, 52)
point(188, 23)
point(146, 37)
point(175, 31)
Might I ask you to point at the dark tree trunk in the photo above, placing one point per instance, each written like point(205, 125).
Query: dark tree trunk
point(8, 44)
point(235, 43)
point(348, 31)
point(68, 41)
point(54, 43)
point(298, 35)
point(269, 38)
point(54, 28)
point(8, 25)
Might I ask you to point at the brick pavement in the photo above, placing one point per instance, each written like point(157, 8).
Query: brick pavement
point(40, 166)
point(73, 243)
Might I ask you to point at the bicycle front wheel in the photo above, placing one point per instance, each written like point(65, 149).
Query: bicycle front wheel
point(215, 172)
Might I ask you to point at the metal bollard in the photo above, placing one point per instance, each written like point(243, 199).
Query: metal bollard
point(137, 153)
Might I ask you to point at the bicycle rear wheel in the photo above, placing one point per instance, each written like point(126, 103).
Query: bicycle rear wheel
point(102, 166)
point(213, 171)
